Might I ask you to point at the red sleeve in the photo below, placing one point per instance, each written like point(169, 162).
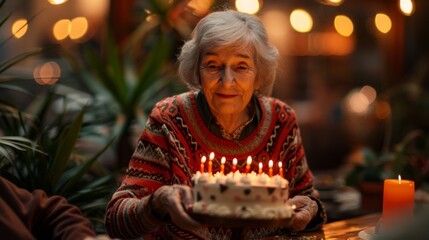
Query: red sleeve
point(33, 214)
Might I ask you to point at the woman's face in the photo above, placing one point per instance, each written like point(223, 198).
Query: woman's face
point(228, 79)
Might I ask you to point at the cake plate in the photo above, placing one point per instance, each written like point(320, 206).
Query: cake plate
point(235, 222)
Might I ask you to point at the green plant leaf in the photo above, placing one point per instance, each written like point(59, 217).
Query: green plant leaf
point(78, 171)
point(10, 62)
point(65, 148)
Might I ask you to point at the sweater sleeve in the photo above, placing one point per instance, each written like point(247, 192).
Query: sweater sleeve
point(300, 177)
point(128, 214)
point(26, 214)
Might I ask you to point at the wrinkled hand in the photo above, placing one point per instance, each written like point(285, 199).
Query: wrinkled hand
point(172, 200)
point(305, 211)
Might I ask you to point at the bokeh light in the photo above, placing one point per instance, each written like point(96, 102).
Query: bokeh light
point(369, 92)
point(57, 2)
point(61, 29)
point(75, 28)
point(47, 73)
point(383, 22)
point(79, 26)
point(247, 6)
point(19, 28)
point(200, 7)
point(343, 25)
point(301, 20)
point(406, 7)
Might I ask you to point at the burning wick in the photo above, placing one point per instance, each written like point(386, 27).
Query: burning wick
point(249, 161)
point(211, 157)
point(203, 160)
point(234, 165)
point(222, 164)
point(270, 167)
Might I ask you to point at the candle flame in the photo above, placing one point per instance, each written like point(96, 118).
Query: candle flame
point(203, 159)
point(211, 157)
point(270, 163)
point(223, 160)
point(234, 161)
point(280, 164)
point(399, 178)
point(249, 160)
point(260, 165)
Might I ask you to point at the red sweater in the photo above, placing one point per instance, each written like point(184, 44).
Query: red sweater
point(169, 152)
point(25, 215)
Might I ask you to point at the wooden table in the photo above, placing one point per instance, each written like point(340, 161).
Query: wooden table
point(345, 229)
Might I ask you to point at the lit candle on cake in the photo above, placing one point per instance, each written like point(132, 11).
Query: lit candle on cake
point(281, 169)
point(222, 164)
point(249, 161)
point(270, 168)
point(260, 168)
point(234, 165)
point(211, 157)
point(398, 199)
point(203, 160)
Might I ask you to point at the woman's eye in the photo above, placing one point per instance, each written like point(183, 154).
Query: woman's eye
point(213, 68)
point(241, 68)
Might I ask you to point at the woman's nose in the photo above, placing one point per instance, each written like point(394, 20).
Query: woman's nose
point(227, 76)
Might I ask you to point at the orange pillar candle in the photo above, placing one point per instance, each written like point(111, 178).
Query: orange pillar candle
point(260, 168)
point(249, 161)
point(211, 157)
point(203, 160)
point(398, 199)
point(222, 165)
point(270, 168)
point(281, 169)
point(234, 165)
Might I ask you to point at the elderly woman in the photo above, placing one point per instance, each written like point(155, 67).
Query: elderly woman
point(230, 67)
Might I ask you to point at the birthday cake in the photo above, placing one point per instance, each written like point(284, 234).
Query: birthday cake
point(241, 195)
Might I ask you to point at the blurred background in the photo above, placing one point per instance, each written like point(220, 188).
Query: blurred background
point(356, 72)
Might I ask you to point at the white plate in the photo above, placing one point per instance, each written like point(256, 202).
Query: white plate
point(367, 233)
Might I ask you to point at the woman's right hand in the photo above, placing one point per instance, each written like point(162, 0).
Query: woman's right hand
point(172, 201)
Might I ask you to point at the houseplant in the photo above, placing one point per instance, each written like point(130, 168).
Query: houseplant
point(38, 146)
point(405, 150)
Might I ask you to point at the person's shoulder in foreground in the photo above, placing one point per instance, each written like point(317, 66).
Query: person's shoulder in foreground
point(34, 215)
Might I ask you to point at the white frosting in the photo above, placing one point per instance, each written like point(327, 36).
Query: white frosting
point(241, 195)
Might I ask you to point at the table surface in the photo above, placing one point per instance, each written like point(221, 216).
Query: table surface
point(344, 229)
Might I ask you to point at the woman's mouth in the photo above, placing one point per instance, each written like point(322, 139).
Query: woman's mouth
point(222, 95)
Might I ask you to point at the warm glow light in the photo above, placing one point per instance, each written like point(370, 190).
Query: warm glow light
point(61, 29)
point(301, 20)
point(331, 2)
point(78, 28)
point(383, 22)
point(200, 7)
point(329, 43)
point(335, 2)
point(47, 73)
point(19, 28)
point(57, 2)
point(247, 6)
point(382, 109)
point(369, 92)
point(274, 21)
point(343, 25)
point(249, 160)
point(399, 179)
point(357, 102)
point(406, 6)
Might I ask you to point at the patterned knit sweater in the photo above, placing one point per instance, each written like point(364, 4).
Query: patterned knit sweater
point(169, 152)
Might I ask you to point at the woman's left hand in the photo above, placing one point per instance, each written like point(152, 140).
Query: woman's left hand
point(305, 211)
